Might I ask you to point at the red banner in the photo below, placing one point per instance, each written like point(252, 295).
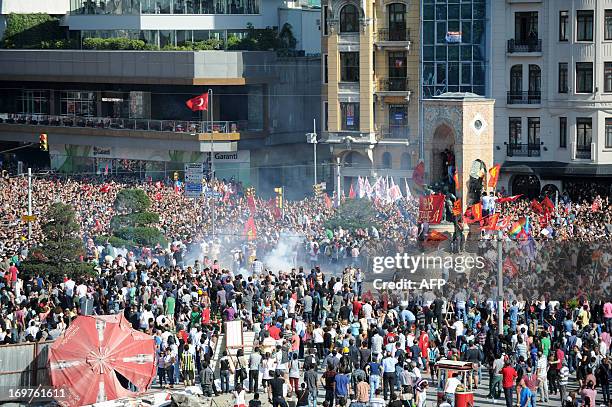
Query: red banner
point(430, 209)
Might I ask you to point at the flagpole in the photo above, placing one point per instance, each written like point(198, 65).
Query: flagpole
point(212, 160)
point(500, 284)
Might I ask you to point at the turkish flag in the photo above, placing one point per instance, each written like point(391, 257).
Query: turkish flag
point(352, 192)
point(509, 199)
point(198, 103)
point(548, 205)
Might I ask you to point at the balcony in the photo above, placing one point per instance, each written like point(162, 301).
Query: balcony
point(230, 128)
point(524, 98)
point(523, 150)
point(394, 87)
point(393, 38)
point(526, 46)
point(394, 132)
point(583, 152)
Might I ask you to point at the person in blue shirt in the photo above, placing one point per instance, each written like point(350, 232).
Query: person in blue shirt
point(342, 388)
point(514, 311)
point(526, 397)
point(374, 370)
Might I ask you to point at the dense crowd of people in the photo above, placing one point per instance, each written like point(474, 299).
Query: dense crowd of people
point(318, 323)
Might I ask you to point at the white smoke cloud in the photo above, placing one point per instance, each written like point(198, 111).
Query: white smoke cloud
point(284, 256)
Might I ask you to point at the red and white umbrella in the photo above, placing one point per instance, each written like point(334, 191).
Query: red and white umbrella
point(94, 353)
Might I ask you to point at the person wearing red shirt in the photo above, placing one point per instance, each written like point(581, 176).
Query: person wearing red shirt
point(275, 332)
point(357, 308)
point(424, 346)
point(509, 375)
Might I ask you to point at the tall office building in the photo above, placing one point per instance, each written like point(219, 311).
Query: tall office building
point(370, 53)
point(553, 86)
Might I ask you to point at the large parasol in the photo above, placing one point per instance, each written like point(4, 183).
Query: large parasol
point(101, 358)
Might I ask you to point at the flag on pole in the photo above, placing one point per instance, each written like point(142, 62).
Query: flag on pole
point(457, 207)
point(490, 222)
point(408, 193)
point(536, 207)
point(249, 229)
point(509, 199)
point(198, 103)
point(367, 188)
point(105, 188)
point(418, 175)
point(351, 192)
point(473, 213)
point(328, 202)
point(494, 175)
point(547, 203)
point(106, 170)
point(360, 188)
point(251, 204)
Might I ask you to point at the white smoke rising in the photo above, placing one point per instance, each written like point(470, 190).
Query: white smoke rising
point(284, 256)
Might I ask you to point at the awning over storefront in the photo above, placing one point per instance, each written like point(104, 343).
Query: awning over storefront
point(557, 169)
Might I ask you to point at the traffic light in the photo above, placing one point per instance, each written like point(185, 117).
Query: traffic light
point(44, 146)
point(250, 191)
point(316, 188)
point(279, 197)
point(176, 175)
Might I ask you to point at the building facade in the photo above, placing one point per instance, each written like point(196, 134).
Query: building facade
point(553, 86)
point(370, 54)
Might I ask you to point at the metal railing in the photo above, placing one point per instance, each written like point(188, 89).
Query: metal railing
point(395, 132)
point(524, 98)
point(583, 152)
point(523, 150)
point(393, 85)
point(524, 46)
point(393, 34)
point(175, 126)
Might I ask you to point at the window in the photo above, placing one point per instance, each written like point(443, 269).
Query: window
point(535, 79)
point(386, 160)
point(607, 76)
point(608, 132)
point(325, 68)
point(584, 77)
point(350, 116)
point(533, 130)
point(349, 19)
point(324, 11)
point(562, 132)
point(514, 133)
point(526, 27)
point(326, 116)
point(608, 25)
point(563, 77)
point(34, 102)
point(584, 129)
point(563, 23)
point(78, 103)
point(584, 25)
point(516, 79)
point(349, 66)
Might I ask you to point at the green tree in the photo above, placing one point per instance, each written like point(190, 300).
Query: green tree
point(62, 249)
point(31, 30)
point(354, 214)
point(133, 224)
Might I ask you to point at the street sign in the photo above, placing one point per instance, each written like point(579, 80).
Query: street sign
point(194, 175)
point(213, 194)
point(28, 218)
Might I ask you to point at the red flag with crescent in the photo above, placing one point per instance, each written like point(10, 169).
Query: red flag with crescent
point(198, 103)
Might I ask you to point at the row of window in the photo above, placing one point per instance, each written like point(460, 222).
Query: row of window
point(135, 7)
point(584, 25)
point(584, 131)
point(584, 77)
point(349, 66)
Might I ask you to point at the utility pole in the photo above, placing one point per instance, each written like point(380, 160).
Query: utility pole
point(212, 162)
point(312, 139)
point(500, 284)
point(338, 181)
point(29, 205)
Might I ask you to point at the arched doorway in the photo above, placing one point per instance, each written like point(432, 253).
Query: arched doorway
point(443, 154)
point(550, 191)
point(476, 183)
point(526, 185)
